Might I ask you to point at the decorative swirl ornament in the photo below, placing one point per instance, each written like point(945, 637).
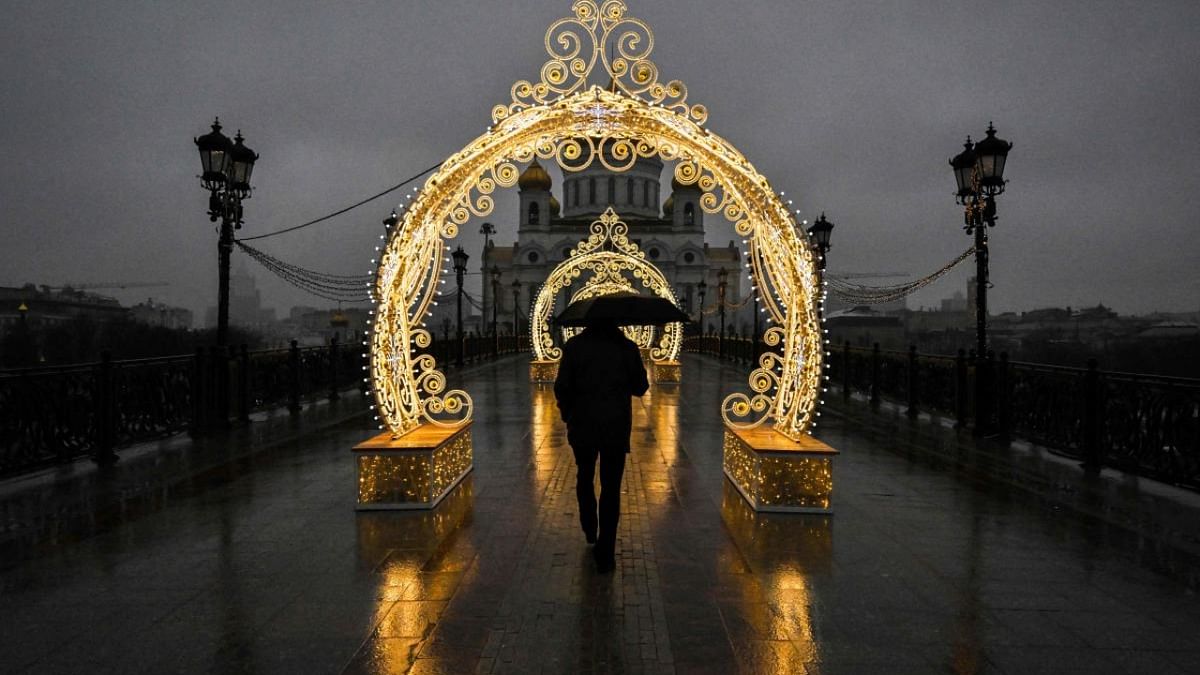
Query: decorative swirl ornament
point(611, 259)
point(560, 118)
point(577, 44)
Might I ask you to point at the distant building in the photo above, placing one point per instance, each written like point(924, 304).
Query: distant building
point(671, 234)
point(863, 326)
point(955, 303)
point(313, 327)
point(245, 304)
point(48, 306)
point(158, 314)
point(1170, 330)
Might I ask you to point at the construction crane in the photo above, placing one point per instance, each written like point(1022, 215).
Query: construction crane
point(120, 285)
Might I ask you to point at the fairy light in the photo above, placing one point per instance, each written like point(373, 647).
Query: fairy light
point(552, 119)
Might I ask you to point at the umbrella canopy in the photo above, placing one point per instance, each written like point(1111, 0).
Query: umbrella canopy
point(622, 309)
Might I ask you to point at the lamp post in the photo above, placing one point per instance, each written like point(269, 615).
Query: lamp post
point(516, 291)
point(227, 166)
point(495, 302)
point(979, 174)
point(460, 268)
point(819, 233)
point(702, 287)
point(722, 284)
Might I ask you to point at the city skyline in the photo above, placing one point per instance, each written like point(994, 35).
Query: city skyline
point(853, 112)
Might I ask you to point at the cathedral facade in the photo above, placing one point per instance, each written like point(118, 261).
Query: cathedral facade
point(670, 232)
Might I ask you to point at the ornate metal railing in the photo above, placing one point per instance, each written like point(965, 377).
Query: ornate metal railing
point(1143, 424)
point(58, 414)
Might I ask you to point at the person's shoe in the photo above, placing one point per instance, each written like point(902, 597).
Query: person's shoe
point(590, 536)
point(605, 560)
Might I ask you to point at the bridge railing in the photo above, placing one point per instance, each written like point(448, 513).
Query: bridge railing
point(1143, 424)
point(59, 414)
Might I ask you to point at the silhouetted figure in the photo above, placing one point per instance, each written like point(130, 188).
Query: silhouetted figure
point(599, 372)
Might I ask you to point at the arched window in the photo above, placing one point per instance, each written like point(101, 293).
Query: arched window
point(629, 191)
point(612, 191)
point(689, 214)
point(592, 190)
point(534, 213)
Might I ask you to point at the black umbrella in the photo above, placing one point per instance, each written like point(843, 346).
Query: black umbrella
point(622, 309)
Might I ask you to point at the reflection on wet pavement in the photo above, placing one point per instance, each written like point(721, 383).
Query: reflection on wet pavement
point(274, 571)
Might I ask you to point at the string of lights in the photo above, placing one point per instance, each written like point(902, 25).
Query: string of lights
point(338, 287)
point(859, 294)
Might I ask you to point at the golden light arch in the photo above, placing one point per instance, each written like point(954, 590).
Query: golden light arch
point(608, 255)
point(560, 117)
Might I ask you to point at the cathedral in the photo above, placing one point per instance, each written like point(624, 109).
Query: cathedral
point(670, 233)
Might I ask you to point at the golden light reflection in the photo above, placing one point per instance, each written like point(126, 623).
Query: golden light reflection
point(544, 438)
point(663, 405)
point(559, 117)
point(401, 551)
point(787, 551)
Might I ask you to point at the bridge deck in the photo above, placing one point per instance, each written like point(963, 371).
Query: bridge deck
point(270, 569)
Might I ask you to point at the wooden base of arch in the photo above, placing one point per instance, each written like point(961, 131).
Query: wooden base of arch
point(775, 473)
point(666, 372)
point(543, 372)
point(414, 471)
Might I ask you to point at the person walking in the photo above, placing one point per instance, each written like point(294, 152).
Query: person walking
point(600, 371)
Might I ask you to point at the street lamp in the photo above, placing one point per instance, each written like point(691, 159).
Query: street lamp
point(722, 284)
point(819, 233)
point(702, 287)
point(495, 302)
point(516, 291)
point(226, 166)
point(460, 268)
point(979, 174)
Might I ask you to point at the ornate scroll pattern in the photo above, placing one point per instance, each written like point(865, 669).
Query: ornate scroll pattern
point(746, 411)
point(578, 43)
point(612, 260)
point(562, 120)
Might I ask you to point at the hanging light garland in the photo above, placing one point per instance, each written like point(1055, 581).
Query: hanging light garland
point(858, 294)
point(341, 288)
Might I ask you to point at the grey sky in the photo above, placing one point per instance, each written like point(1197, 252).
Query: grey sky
point(853, 108)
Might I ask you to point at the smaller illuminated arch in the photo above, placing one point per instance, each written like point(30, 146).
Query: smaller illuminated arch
point(609, 256)
point(642, 336)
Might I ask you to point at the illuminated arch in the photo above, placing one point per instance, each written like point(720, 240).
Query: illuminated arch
point(561, 118)
point(608, 255)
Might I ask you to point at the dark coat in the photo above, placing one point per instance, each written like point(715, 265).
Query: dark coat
point(600, 370)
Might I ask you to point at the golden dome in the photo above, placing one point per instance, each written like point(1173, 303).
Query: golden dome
point(669, 205)
point(555, 207)
point(534, 178)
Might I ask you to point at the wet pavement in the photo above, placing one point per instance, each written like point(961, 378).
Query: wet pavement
point(920, 570)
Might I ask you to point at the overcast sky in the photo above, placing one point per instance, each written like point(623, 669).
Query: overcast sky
point(852, 107)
